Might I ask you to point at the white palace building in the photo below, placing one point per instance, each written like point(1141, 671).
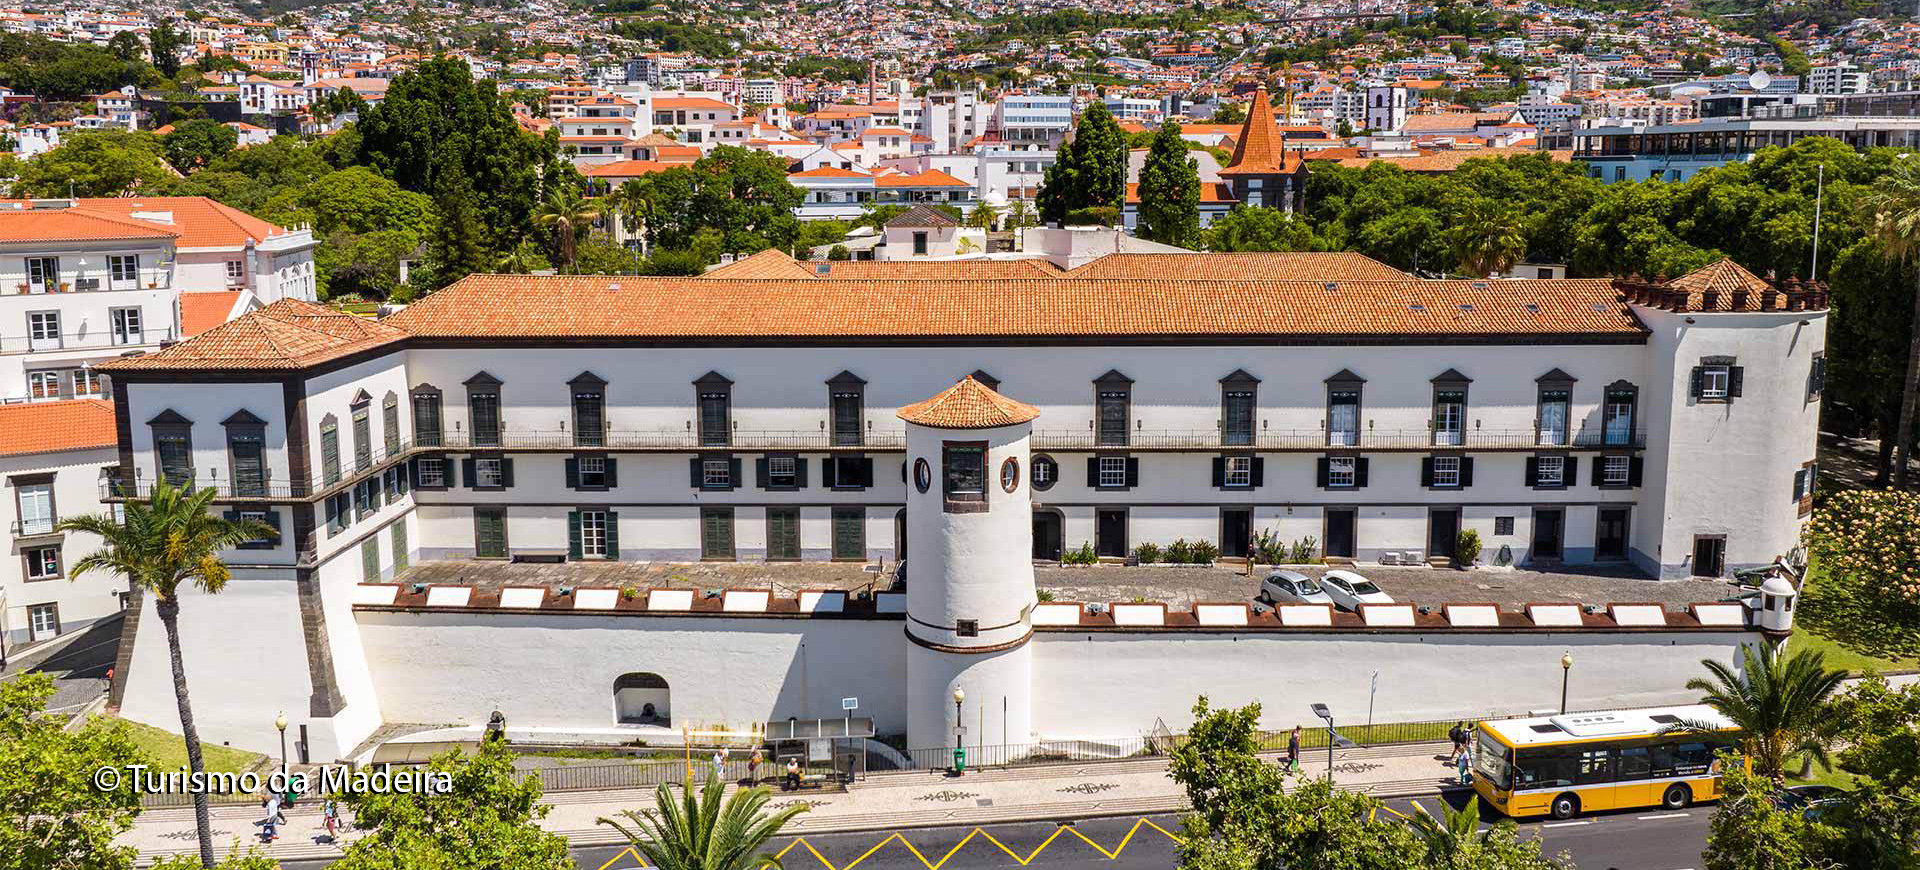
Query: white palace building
point(780, 411)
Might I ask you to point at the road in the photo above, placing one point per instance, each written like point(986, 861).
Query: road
point(1643, 840)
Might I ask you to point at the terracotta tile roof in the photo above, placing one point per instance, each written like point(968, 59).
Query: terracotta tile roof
point(626, 169)
point(1210, 192)
point(922, 216)
point(770, 263)
point(77, 224)
point(1283, 266)
point(929, 178)
point(52, 427)
point(1724, 286)
point(688, 103)
point(1260, 149)
point(289, 334)
point(938, 270)
point(534, 307)
point(1448, 160)
point(203, 223)
point(200, 312)
point(829, 172)
point(968, 404)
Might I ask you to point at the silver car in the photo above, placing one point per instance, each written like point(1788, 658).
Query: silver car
point(1292, 587)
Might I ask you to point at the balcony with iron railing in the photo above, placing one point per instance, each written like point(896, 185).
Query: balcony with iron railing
point(106, 339)
point(1321, 440)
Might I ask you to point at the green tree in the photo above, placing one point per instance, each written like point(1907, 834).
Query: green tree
point(96, 163)
point(1090, 171)
point(65, 71)
point(165, 43)
point(1878, 826)
point(1230, 113)
point(126, 45)
point(1170, 191)
point(566, 214)
point(1866, 545)
point(251, 859)
point(1487, 238)
point(1895, 208)
point(1868, 338)
point(490, 818)
point(596, 255)
point(1750, 831)
point(167, 543)
point(194, 144)
point(264, 180)
point(983, 216)
point(839, 253)
point(1260, 228)
point(740, 194)
point(1779, 700)
point(52, 817)
point(705, 832)
point(1019, 214)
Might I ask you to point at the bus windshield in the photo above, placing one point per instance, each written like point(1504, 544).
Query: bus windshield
point(1490, 761)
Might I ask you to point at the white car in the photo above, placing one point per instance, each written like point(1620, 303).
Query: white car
point(1292, 587)
point(1349, 590)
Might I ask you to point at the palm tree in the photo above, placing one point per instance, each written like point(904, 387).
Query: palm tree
point(168, 542)
point(1453, 830)
point(1893, 210)
point(983, 216)
point(1488, 239)
point(631, 202)
point(567, 213)
point(1019, 214)
point(704, 832)
point(1780, 706)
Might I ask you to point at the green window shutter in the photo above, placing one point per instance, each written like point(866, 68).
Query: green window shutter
point(613, 534)
point(370, 560)
point(573, 535)
point(399, 547)
point(330, 454)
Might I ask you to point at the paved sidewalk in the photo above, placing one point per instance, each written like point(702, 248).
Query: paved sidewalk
point(884, 801)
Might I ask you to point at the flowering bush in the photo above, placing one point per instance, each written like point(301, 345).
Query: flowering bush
point(1869, 542)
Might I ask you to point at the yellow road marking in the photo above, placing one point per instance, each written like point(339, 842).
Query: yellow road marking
point(1111, 855)
point(628, 852)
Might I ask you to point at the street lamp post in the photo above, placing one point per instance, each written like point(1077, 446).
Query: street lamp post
point(959, 733)
point(280, 722)
point(1323, 712)
point(1566, 670)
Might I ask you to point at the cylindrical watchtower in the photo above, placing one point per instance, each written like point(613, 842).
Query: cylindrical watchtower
point(970, 589)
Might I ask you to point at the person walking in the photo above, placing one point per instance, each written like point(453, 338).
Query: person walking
point(1293, 750)
point(1464, 764)
point(330, 816)
point(270, 826)
point(1455, 736)
point(719, 764)
point(753, 768)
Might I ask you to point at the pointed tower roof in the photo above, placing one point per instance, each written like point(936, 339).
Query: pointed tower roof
point(968, 404)
point(1260, 149)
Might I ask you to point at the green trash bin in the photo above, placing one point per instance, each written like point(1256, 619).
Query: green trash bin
point(959, 759)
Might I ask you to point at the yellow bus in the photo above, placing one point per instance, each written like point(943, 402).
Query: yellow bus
point(1619, 759)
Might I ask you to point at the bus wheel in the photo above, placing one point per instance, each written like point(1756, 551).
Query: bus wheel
point(1565, 806)
point(1677, 797)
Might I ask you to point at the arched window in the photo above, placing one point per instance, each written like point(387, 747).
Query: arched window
point(641, 699)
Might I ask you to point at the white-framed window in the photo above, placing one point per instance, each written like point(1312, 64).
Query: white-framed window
point(43, 563)
point(43, 620)
point(36, 508)
point(43, 385)
point(782, 471)
point(87, 382)
point(1552, 471)
point(433, 471)
point(1342, 471)
point(1618, 418)
point(236, 271)
point(43, 273)
point(593, 471)
point(1446, 471)
point(1042, 471)
point(1113, 471)
point(488, 472)
point(1343, 418)
point(1553, 416)
point(1714, 381)
point(716, 473)
point(1449, 417)
point(126, 326)
point(43, 325)
point(593, 534)
point(123, 270)
point(1239, 471)
point(1616, 470)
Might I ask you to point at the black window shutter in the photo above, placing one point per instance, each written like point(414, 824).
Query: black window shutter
point(1735, 375)
point(1360, 472)
point(1599, 470)
point(1320, 471)
point(760, 472)
point(613, 534)
point(506, 472)
point(733, 473)
point(1466, 471)
point(1533, 471)
point(1633, 470)
point(466, 471)
point(693, 472)
point(1133, 471)
point(613, 479)
point(799, 472)
point(1799, 484)
point(1259, 471)
point(1219, 472)
point(1426, 471)
point(234, 516)
point(1093, 471)
point(573, 473)
point(1571, 468)
point(1699, 376)
point(827, 477)
point(573, 535)
point(273, 520)
point(413, 470)
point(866, 470)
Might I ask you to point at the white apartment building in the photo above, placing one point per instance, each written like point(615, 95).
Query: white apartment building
point(1038, 119)
point(51, 460)
point(83, 281)
point(1205, 396)
point(1838, 78)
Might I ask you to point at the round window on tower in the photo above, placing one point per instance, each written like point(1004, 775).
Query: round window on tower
point(922, 475)
point(1010, 474)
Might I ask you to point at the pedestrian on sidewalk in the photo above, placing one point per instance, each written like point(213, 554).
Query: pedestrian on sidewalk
point(1457, 736)
point(753, 768)
point(270, 826)
point(793, 774)
point(1464, 765)
point(719, 764)
point(330, 815)
point(1293, 750)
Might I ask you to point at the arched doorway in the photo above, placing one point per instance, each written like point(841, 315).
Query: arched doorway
point(1048, 532)
point(900, 535)
point(641, 699)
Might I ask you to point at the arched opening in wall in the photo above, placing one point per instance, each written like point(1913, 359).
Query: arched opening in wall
point(900, 535)
point(641, 699)
point(1048, 533)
